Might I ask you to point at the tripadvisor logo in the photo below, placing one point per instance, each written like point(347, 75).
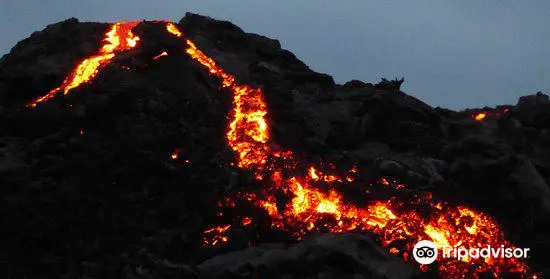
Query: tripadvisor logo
point(426, 252)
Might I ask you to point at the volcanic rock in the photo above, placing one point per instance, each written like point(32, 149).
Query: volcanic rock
point(133, 163)
point(326, 256)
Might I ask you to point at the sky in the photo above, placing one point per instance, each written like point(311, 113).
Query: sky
point(453, 54)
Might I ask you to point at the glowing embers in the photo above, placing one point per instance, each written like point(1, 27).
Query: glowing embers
point(172, 29)
point(309, 209)
point(399, 224)
point(463, 227)
point(480, 116)
point(164, 53)
point(119, 38)
point(175, 155)
point(216, 235)
point(483, 115)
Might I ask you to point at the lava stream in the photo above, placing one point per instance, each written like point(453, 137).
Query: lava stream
point(248, 133)
point(480, 116)
point(119, 38)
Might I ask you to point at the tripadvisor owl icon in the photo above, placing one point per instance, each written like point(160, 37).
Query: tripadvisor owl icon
point(425, 252)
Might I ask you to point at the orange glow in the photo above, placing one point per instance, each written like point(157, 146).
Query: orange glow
point(246, 221)
point(218, 233)
point(172, 29)
point(313, 174)
point(316, 175)
point(480, 116)
point(175, 154)
point(160, 55)
point(119, 38)
point(490, 113)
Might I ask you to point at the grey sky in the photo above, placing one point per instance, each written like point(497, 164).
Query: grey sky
point(453, 54)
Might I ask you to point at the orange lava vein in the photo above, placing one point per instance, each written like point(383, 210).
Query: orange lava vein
point(164, 53)
point(248, 133)
point(119, 38)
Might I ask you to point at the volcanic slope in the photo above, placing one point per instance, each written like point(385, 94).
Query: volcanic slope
point(124, 171)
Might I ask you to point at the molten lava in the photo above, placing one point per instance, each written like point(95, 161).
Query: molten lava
point(119, 38)
point(312, 202)
point(175, 154)
point(483, 115)
point(248, 133)
point(164, 53)
point(480, 116)
point(172, 29)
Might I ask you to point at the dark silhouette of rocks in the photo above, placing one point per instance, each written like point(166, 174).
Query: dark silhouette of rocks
point(88, 187)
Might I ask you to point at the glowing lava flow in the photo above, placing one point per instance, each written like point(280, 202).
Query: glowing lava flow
point(311, 209)
point(119, 38)
point(480, 116)
point(248, 133)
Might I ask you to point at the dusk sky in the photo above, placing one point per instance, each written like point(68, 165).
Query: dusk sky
point(453, 54)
